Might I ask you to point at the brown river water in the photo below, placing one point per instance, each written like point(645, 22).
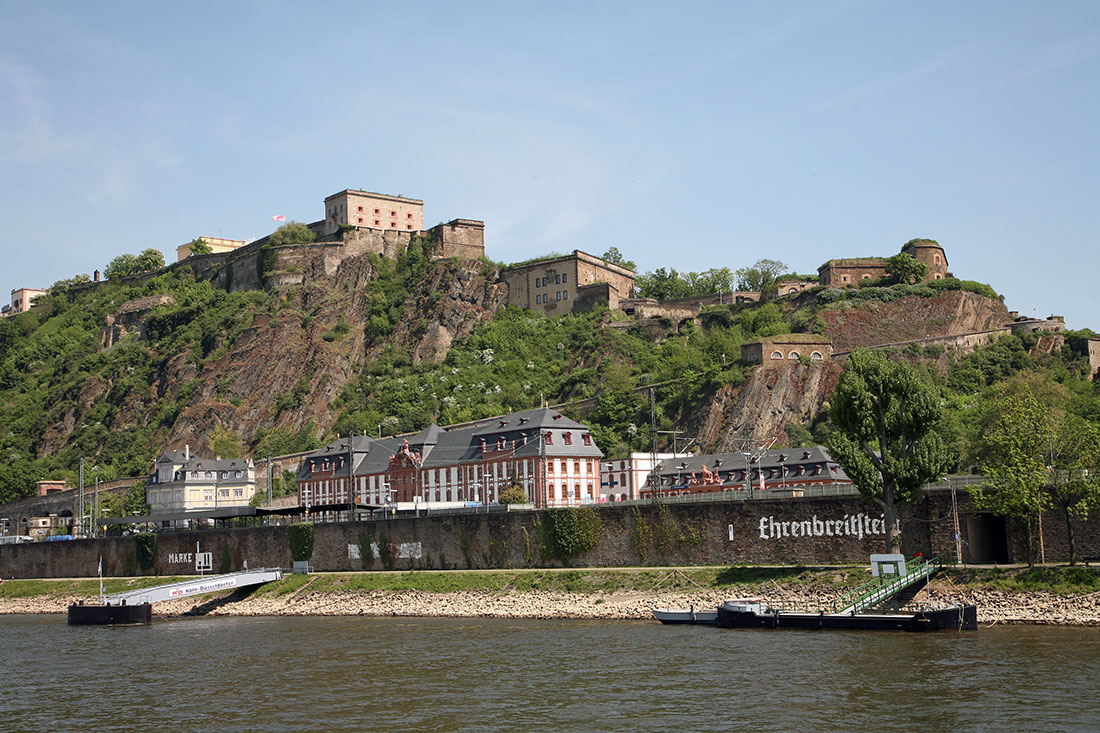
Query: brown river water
point(378, 673)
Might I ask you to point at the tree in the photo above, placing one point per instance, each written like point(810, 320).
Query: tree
point(200, 247)
point(615, 257)
point(906, 269)
point(761, 277)
point(133, 501)
point(224, 443)
point(293, 232)
point(1014, 447)
point(512, 494)
point(127, 264)
point(1075, 488)
point(661, 284)
point(885, 418)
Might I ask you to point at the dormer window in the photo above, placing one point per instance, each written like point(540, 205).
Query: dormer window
point(549, 438)
point(567, 438)
point(587, 439)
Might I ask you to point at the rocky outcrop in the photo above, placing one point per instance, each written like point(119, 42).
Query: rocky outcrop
point(287, 368)
point(856, 324)
point(765, 404)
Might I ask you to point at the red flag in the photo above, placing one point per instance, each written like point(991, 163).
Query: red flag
point(280, 217)
point(762, 487)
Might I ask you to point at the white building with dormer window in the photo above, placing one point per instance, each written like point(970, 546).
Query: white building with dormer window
point(183, 482)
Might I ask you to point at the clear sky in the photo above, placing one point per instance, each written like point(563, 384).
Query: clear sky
point(689, 135)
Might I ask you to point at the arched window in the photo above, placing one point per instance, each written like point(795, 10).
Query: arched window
point(936, 259)
point(816, 355)
point(777, 354)
point(866, 276)
point(792, 355)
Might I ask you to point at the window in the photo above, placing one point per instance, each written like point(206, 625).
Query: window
point(377, 211)
point(557, 279)
point(565, 295)
point(553, 492)
point(565, 277)
point(866, 277)
point(376, 222)
point(816, 355)
point(538, 299)
point(409, 215)
point(577, 490)
point(777, 354)
point(576, 466)
point(792, 355)
point(549, 438)
point(567, 438)
point(360, 220)
point(844, 278)
point(936, 259)
point(393, 213)
point(408, 226)
point(393, 225)
point(360, 209)
point(558, 295)
point(587, 439)
point(563, 467)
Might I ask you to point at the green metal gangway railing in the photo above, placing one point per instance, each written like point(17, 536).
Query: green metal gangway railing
point(884, 587)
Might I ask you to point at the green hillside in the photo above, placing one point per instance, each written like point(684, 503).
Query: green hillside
point(339, 359)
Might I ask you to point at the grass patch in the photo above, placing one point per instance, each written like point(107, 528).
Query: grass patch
point(86, 587)
point(1062, 580)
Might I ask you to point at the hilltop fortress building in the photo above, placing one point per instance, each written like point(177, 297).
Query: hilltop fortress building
point(850, 271)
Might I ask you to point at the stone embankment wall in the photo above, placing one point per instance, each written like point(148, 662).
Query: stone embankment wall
point(824, 530)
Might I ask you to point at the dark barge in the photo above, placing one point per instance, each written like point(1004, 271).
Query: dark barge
point(741, 615)
point(101, 614)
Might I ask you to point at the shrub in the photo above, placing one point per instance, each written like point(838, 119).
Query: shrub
point(300, 539)
point(568, 533)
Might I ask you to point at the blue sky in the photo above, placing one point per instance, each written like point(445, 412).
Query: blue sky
point(689, 135)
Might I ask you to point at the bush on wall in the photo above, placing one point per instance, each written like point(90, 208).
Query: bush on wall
point(300, 539)
point(568, 533)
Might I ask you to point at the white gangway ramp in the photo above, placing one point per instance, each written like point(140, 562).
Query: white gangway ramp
point(196, 587)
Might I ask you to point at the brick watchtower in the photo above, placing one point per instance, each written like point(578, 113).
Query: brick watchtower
point(931, 254)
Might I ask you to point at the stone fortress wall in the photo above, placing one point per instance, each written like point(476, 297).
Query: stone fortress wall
point(782, 530)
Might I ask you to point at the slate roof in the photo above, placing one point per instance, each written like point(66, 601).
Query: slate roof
point(440, 447)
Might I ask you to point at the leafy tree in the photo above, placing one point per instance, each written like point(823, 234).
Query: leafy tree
point(225, 444)
point(761, 277)
point(133, 501)
point(615, 257)
point(661, 284)
point(513, 494)
point(293, 232)
point(62, 285)
point(905, 268)
point(127, 264)
point(1015, 445)
point(885, 418)
point(199, 246)
point(1075, 457)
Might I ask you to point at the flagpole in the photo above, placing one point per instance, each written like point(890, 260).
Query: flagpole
point(101, 578)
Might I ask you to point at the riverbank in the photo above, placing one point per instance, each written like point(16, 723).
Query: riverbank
point(1002, 596)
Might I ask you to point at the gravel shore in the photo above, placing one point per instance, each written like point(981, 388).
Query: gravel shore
point(1000, 607)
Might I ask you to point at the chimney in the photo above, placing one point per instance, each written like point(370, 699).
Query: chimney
point(186, 452)
point(96, 276)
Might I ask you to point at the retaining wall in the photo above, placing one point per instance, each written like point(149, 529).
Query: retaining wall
point(810, 531)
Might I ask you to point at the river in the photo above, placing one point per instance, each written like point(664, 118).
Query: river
point(360, 673)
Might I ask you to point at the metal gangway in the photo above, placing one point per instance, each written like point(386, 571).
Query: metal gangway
point(885, 587)
point(196, 586)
